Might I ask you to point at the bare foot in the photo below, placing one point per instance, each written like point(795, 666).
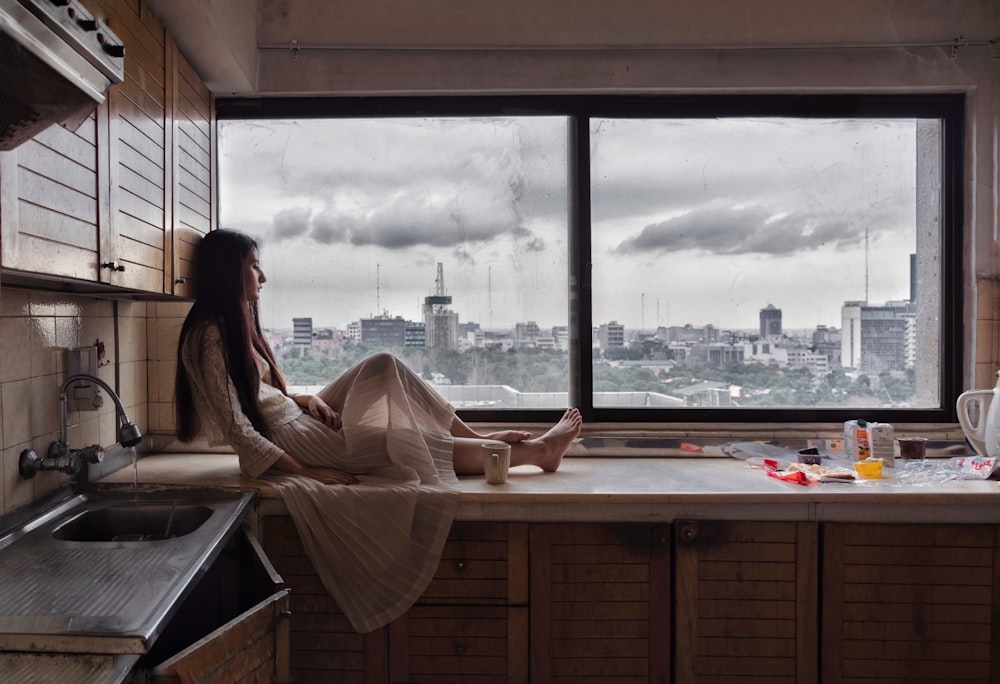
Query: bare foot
point(558, 440)
point(509, 436)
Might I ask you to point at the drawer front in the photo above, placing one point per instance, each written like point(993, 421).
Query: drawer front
point(457, 644)
point(482, 563)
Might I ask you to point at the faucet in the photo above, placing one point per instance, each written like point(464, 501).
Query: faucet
point(64, 459)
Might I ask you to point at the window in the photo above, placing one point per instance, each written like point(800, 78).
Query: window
point(650, 259)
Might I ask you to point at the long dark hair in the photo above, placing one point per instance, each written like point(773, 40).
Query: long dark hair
point(221, 299)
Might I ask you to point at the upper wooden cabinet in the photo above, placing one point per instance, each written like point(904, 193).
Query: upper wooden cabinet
point(121, 200)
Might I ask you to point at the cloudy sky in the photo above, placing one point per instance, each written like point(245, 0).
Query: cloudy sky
point(693, 221)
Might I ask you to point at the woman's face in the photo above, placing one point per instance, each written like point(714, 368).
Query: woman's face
point(253, 276)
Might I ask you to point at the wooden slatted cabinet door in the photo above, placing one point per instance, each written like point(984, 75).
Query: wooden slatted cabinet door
point(191, 209)
point(471, 624)
point(746, 598)
point(49, 202)
point(907, 603)
point(138, 147)
point(324, 646)
point(600, 603)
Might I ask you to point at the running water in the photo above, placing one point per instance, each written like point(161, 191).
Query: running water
point(135, 476)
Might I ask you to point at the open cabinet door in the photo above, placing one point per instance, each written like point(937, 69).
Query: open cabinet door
point(251, 647)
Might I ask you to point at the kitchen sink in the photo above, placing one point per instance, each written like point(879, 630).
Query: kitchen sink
point(103, 571)
point(135, 522)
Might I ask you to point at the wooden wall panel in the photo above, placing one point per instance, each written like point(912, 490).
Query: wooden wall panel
point(908, 603)
point(600, 607)
point(746, 595)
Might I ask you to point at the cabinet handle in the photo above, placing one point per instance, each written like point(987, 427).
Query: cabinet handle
point(689, 531)
point(460, 564)
point(114, 266)
point(460, 649)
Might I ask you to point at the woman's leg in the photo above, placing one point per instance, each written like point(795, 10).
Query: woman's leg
point(546, 451)
point(460, 429)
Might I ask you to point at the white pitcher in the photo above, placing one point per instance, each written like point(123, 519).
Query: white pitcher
point(979, 415)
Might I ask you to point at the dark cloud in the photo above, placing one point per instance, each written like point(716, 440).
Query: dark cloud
point(291, 223)
point(753, 229)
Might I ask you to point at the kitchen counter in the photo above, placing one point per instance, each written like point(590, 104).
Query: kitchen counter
point(607, 489)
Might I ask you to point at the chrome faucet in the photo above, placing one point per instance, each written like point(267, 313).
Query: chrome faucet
point(64, 459)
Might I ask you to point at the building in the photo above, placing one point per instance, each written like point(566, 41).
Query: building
point(302, 331)
point(770, 322)
point(526, 335)
point(878, 338)
point(440, 322)
point(611, 335)
point(384, 331)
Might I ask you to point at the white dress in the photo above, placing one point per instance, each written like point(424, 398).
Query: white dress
point(375, 545)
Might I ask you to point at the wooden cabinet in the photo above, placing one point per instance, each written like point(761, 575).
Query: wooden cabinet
point(232, 628)
point(600, 603)
point(471, 624)
point(696, 601)
point(746, 599)
point(120, 200)
point(906, 603)
point(324, 646)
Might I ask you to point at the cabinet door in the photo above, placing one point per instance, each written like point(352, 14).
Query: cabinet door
point(49, 202)
point(746, 597)
point(471, 624)
point(324, 646)
point(191, 171)
point(600, 603)
point(251, 647)
point(905, 603)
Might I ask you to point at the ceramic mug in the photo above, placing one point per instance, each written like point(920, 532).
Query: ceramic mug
point(496, 461)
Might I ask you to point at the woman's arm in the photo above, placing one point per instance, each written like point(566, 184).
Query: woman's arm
point(288, 464)
point(318, 409)
point(216, 396)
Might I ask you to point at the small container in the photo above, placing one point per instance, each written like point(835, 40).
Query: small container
point(870, 469)
point(911, 448)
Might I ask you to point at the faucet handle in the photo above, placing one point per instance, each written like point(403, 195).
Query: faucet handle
point(92, 454)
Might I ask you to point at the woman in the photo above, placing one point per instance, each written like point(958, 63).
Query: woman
point(379, 428)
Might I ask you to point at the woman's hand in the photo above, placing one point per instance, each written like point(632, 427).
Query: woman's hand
point(288, 464)
point(319, 410)
point(329, 475)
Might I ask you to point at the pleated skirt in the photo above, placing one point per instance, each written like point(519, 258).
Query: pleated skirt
point(375, 545)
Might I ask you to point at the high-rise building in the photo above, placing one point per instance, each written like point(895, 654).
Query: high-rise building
point(611, 335)
point(770, 321)
point(440, 322)
point(526, 335)
point(878, 338)
point(384, 331)
point(302, 331)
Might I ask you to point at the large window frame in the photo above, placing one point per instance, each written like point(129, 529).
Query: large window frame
point(948, 108)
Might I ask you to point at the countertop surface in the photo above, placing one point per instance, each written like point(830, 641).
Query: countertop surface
point(652, 489)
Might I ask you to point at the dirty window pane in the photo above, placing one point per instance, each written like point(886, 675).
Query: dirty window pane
point(766, 262)
point(442, 240)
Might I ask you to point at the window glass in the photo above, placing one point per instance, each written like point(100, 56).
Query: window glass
point(442, 240)
point(766, 262)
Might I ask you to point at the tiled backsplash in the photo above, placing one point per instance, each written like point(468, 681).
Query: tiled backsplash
point(36, 330)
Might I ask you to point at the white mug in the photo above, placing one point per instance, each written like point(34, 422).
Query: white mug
point(496, 461)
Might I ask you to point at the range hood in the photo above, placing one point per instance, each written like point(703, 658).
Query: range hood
point(57, 62)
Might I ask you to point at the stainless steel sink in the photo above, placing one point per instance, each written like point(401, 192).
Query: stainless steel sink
point(134, 522)
point(103, 573)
